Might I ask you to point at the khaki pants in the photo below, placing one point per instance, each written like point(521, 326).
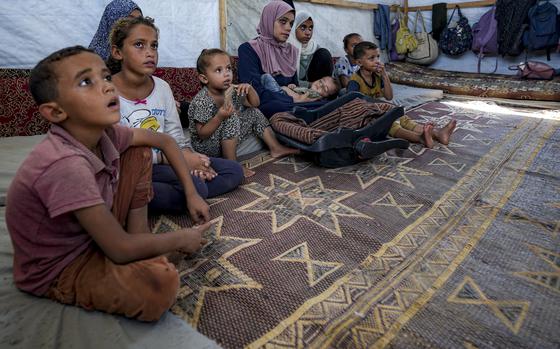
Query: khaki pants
point(403, 122)
point(143, 289)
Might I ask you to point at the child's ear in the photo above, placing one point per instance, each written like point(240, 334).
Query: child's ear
point(116, 53)
point(53, 112)
point(203, 79)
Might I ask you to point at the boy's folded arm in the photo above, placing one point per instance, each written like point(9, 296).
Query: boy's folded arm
point(174, 155)
point(116, 243)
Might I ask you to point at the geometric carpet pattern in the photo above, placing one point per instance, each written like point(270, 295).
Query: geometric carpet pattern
point(451, 247)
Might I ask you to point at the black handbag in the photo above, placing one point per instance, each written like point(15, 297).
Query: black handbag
point(456, 40)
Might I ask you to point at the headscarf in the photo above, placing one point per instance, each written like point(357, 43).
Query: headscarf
point(276, 58)
point(311, 46)
point(114, 11)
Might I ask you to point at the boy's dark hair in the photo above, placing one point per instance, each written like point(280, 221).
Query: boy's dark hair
point(361, 48)
point(43, 79)
point(348, 37)
point(120, 31)
point(203, 60)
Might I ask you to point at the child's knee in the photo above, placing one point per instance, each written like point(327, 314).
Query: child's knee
point(138, 158)
point(160, 290)
point(237, 176)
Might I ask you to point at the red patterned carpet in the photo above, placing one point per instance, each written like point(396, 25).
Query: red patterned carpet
point(450, 247)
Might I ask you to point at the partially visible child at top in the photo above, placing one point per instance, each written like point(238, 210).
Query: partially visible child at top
point(77, 207)
point(323, 88)
point(147, 102)
point(345, 66)
point(372, 80)
point(222, 114)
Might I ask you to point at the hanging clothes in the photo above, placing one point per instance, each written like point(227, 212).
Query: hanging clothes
point(382, 26)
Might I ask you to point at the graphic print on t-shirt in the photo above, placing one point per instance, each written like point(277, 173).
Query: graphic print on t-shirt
point(143, 118)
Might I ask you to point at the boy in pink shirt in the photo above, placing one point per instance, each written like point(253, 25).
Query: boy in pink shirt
point(79, 189)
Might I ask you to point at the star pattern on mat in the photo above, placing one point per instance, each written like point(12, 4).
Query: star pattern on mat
point(511, 313)
point(471, 113)
point(470, 138)
point(548, 279)
point(215, 201)
point(207, 270)
point(289, 201)
point(390, 168)
point(469, 126)
point(455, 166)
point(419, 149)
point(298, 164)
point(316, 270)
point(406, 210)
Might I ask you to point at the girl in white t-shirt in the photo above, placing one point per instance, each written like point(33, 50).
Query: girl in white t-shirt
point(147, 102)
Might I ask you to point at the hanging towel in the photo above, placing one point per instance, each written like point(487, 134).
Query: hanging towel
point(439, 19)
point(382, 26)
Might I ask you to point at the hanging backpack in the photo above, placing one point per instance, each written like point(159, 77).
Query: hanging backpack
point(427, 51)
point(485, 37)
point(456, 40)
point(393, 55)
point(542, 33)
point(405, 42)
point(511, 16)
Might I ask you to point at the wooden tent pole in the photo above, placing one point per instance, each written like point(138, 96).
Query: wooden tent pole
point(223, 24)
point(464, 4)
point(343, 3)
point(364, 6)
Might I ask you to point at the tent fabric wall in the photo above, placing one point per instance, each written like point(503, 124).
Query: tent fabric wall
point(31, 29)
point(331, 23)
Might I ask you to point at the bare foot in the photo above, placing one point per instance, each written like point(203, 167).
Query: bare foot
point(282, 151)
point(247, 172)
point(444, 134)
point(427, 136)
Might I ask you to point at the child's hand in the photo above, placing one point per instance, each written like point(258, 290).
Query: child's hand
point(225, 111)
point(286, 89)
point(291, 86)
point(199, 165)
point(193, 238)
point(380, 68)
point(244, 89)
point(198, 208)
